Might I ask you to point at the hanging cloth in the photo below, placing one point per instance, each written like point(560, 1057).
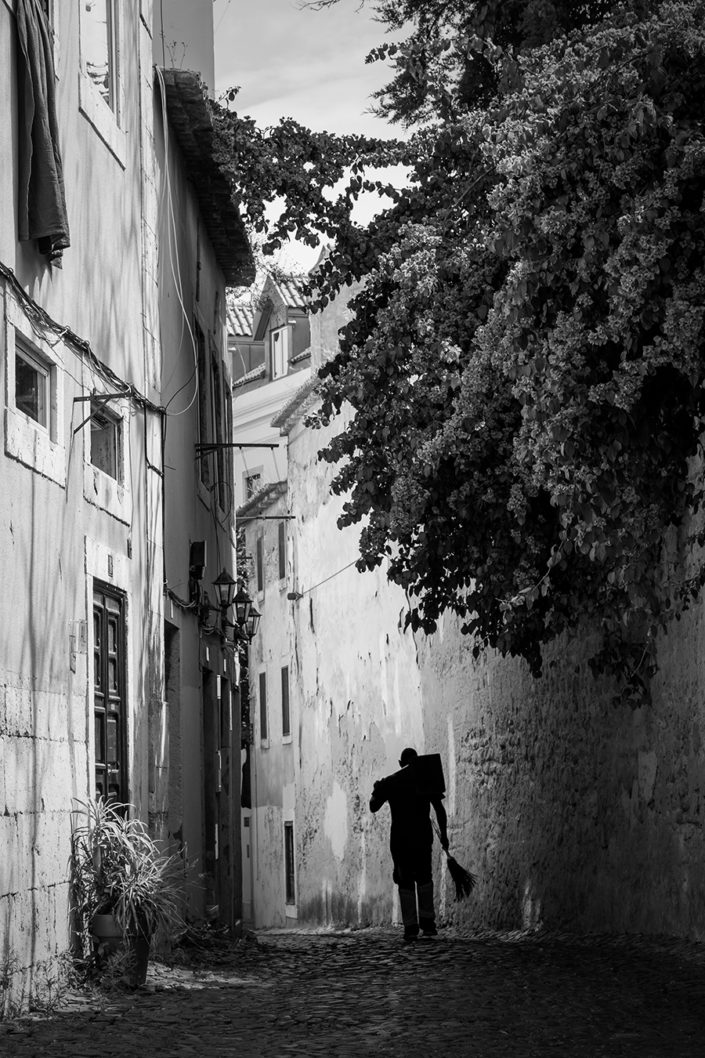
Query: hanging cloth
point(42, 203)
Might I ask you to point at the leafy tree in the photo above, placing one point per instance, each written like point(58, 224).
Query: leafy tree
point(526, 355)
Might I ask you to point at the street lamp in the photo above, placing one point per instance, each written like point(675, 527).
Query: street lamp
point(245, 620)
point(225, 589)
point(252, 623)
point(243, 605)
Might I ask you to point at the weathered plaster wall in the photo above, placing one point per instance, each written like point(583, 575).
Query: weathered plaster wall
point(273, 757)
point(191, 287)
point(358, 691)
point(63, 524)
point(573, 811)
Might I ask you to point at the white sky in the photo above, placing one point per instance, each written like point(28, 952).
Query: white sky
point(291, 61)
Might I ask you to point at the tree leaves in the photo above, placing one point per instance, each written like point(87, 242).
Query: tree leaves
point(525, 355)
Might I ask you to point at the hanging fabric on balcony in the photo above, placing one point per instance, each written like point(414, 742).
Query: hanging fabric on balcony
point(42, 204)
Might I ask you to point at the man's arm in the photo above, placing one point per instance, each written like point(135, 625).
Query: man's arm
point(442, 818)
point(378, 796)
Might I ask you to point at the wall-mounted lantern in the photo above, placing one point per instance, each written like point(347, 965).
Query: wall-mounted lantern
point(238, 626)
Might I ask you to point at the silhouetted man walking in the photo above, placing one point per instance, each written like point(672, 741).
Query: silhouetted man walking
point(411, 840)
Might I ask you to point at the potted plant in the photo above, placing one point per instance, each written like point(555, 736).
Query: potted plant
point(125, 888)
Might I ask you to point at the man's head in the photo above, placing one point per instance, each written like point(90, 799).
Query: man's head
point(408, 756)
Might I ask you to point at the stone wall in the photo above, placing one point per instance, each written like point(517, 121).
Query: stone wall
point(573, 811)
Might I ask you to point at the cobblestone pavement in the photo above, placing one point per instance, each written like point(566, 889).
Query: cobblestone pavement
point(364, 993)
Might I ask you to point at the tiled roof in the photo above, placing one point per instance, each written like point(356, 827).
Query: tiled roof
point(304, 396)
point(240, 318)
point(192, 124)
point(292, 290)
point(256, 372)
point(303, 355)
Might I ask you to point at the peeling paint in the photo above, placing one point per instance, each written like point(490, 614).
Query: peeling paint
point(335, 821)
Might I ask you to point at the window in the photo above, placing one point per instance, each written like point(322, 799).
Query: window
point(204, 422)
point(282, 550)
point(34, 416)
point(280, 351)
point(253, 483)
point(219, 422)
point(109, 705)
point(259, 563)
point(32, 385)
point(105, 440)
point(289, 863)
point(100, 92)
point(286, 718)
point(263, 731)
point(106, 456)
point(99, 48)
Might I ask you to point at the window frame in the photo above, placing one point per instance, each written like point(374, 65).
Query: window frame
point(262, 703)
point(282, 548)
point(36, 445)
point(101, 489)
point(218, 418)
point(289, 864)
point(247, 477)
point(100, 409)
point(106, 119)
point(205, 425)
point(286, 704)
point(283, 358)
point(43, 369)
point(259, 563)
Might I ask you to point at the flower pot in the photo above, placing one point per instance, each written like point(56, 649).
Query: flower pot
point(138, 949)
point(106, 932)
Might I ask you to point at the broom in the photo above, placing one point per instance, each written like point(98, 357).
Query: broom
point(464, 881)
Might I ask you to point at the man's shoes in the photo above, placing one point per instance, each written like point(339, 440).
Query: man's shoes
point(410, 937)
point(430, 931)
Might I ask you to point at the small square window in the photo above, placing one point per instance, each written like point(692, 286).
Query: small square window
point(32, 382)
point(253, 483)
point(34, 419)
point(105, 440)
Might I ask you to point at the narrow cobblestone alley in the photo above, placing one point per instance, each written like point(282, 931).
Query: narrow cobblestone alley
point(364, 993)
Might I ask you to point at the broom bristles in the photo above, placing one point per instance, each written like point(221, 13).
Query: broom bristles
point(463, 880)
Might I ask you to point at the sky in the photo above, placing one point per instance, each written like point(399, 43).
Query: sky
point(291, 61)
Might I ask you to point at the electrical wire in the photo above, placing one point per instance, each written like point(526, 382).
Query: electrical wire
point(42, 322)
point(326, 579)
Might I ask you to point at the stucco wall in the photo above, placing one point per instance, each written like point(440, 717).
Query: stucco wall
point(64, 524)
point(273, 761)
point(573, 811)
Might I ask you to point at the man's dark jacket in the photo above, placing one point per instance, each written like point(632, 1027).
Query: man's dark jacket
point(411, 838)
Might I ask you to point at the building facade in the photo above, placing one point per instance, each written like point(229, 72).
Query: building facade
point(93, 521)
point(270, 362)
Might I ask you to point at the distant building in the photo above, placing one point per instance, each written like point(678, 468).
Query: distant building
point(270, 361)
